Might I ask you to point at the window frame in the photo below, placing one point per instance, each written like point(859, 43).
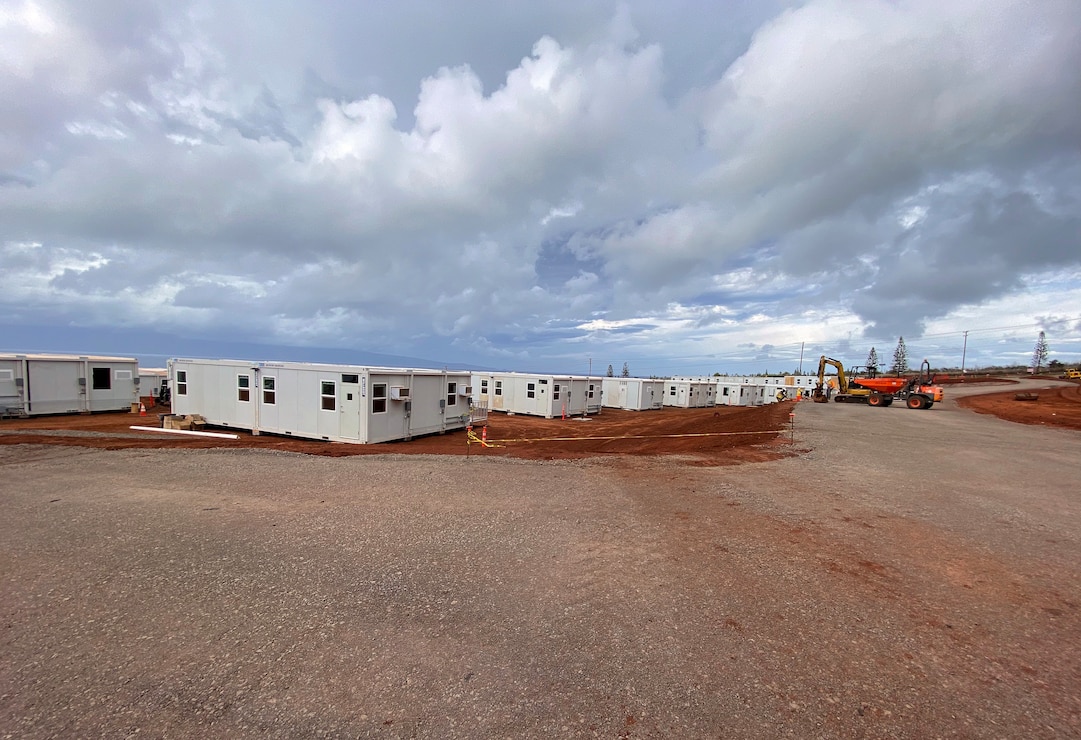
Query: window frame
point(270, 394)
point(452, 393)
point(326, 398)
point(98, 375)
point(181, 382)
point(243, 389)
point(380, 393)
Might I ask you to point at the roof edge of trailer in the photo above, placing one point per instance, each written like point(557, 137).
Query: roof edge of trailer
point(327, 366)
point(63, 357)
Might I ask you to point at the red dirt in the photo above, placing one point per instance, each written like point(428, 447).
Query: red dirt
point(1058, 406)
point(714, 436)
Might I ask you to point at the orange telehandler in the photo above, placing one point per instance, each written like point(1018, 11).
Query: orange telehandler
point(919, 392)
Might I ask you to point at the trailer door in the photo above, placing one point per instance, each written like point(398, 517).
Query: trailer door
point(350, 404)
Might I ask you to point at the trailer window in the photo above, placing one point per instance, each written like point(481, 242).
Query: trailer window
point(270, 394)
point(452, 394)
point(531, 390)
point(590, 394)
point(555, 392)
point(499, 387)
point(328, 395)
point(379, 398)
point(671, 390)
point(101, 379)
point(7, 375)
point(123, 374)
point(350, 378)
point(181, 382)
point(243, 388)
point(484, 387)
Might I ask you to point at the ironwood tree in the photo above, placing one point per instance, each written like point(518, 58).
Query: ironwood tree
point(1039, 353)
point(872, 361)
point(626, 373)
point(611, 372)
point(900, 358)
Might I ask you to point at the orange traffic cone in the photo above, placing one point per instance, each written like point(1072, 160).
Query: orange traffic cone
point(142, 409)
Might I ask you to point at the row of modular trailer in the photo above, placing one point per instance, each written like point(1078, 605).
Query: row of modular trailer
point(744, 394)
point(538, 395)
point(755, 390)
point(340, 403)
point(35, 384)
point(632, 394)
point(689, 394)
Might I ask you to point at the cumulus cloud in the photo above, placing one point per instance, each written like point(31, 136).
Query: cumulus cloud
point(607, 175)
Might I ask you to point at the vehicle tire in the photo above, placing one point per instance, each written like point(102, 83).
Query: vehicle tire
point(875, 399)
point(915, 402)
point(887, 401)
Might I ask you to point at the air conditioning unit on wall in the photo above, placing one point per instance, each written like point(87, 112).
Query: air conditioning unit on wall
point(465, 390)
point(399, 393)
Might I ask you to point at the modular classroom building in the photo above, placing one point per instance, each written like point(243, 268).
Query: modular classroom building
point(740, 394)
point(339, 403)
point(150, 380)
point(632, 394)
point(31, 385)
point(538, 395)
point(689, 394)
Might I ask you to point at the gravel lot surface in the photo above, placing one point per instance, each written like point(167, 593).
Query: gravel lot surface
point(906, 574)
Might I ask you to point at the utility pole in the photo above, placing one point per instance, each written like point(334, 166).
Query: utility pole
point(964, 351)
point(801, 357)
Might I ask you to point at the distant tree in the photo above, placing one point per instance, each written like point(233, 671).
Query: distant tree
point(626, 371)
point(900, 358)
point(872, 361)
point(1039, 354)
point(611, 372)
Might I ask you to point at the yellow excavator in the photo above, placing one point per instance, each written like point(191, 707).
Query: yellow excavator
point(836, 386)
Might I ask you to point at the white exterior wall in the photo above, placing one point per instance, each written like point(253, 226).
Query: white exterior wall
point(688, 394)
point(11, 385)
point(538, 395)
point(341, 403)
point(632, 394)
point(65, 384)
point(150, 380)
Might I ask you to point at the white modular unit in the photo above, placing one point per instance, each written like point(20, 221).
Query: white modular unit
point(632, 394)
point(689, 394)
point(150, 380)
point(744, 394)
point(538, 395)
point(339, 403)
point(31, 385)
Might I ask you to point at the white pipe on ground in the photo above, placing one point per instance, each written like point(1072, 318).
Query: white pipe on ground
point(219, 435)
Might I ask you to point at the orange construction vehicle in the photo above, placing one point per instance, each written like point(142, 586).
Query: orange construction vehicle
point(919, 392)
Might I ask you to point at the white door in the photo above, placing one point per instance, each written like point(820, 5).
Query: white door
point(349, 402)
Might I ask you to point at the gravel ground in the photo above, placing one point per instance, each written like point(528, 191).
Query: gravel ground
point(906, 574)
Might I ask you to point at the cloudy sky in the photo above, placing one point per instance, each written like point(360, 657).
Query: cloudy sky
point(685, 186)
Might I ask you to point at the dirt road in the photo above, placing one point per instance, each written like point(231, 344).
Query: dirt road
point(907, 574)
